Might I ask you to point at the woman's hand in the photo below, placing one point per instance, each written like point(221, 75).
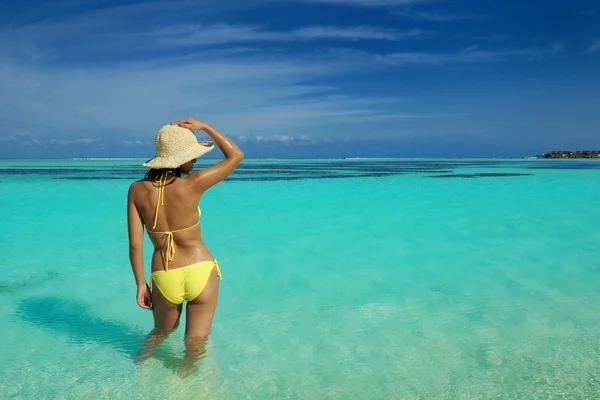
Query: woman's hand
point(144, 299)
point(191, 124)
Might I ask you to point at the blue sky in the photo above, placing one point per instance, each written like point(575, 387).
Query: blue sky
point(301, 78)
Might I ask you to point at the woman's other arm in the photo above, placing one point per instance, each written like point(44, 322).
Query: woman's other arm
point(233, 154)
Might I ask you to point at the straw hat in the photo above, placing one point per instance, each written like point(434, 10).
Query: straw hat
point(176, 146)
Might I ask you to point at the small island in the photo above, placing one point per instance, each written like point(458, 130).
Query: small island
point(571, 154)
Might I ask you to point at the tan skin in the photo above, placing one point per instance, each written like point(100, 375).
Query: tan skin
point(181, 198)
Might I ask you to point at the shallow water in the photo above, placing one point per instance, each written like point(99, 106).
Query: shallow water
point(349, 279)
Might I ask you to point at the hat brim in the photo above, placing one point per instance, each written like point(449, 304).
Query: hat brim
point(199, 150)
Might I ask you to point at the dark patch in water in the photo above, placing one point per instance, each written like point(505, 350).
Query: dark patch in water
point(299, 168)
point(251, 179)
point(8, 287)
point(66, 171)
point(482, 175)
point(391, 166)
point(293, 170)
point(97, 178)
point(297, 178)
point(558, 165)
point(287, 175)
point(336, 172)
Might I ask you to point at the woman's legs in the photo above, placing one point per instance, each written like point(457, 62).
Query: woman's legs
point(200, 313)
point(166, 320)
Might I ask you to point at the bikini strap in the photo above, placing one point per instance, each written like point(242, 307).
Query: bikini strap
point(170, 250)
point(168, 235)
point(162, 181)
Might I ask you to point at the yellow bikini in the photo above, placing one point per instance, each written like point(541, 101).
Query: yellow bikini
point(184, 283)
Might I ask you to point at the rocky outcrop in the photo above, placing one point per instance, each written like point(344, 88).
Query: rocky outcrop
point(571, 154)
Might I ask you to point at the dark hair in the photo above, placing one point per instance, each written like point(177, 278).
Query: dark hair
point(155, 172)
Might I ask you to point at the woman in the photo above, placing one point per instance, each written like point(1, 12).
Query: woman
point(166, 203)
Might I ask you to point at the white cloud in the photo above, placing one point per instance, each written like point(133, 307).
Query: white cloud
point(594, 47)
point(74, 141)
point(366, 3)
point(472, 54)
point(437, 16)
point(131, 101)
point(109, 33)
point(103, 31)
point(225, 33)
point(358, 32)
point(285, 139)
point(588, 13)
point(557, 48)
point(136, 143)
point(21, 138)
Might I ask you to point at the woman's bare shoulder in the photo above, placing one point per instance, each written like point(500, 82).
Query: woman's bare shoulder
point(136, 187)
point(189, 186)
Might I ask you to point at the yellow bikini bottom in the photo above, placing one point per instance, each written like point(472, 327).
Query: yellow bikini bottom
point(184, 283)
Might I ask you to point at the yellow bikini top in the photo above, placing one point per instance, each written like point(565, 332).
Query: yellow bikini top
point(168, 235)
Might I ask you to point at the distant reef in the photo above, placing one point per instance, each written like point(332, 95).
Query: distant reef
point(571, 154)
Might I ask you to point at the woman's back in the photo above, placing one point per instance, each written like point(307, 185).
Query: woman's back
point(171, 211)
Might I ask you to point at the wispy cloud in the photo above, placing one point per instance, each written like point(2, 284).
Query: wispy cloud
point(103, 32)
point(137, 143)
point(278, 139)
point(497, 37)
point(557, 48)
point(359, 32)
point(225, 33)
point(21, 138)
point(594, 47)
point(466, 56)
point(366, 3)
point(108, 35)
point(437, 16)
point(127, 102)
point(75, 141)
point(588, 13)
point(469, 55)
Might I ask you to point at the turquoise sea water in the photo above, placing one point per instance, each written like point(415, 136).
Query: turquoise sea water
point(342, 279)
